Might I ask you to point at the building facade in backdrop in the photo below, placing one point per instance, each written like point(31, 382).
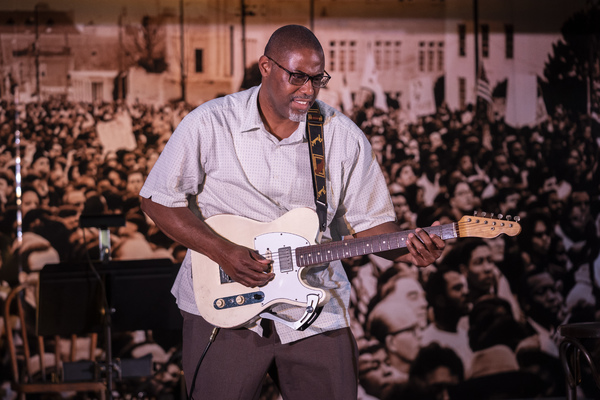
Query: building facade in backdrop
point(198, 51)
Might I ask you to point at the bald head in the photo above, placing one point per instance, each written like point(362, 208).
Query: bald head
point(291, 38)
point(388, 317)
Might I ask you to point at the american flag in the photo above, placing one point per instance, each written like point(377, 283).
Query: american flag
point(483, 86)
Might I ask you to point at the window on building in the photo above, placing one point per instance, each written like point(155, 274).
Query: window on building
point(422, 56)
point(332, 55)
point(352, 57)
point(342, 56)
point(485, 40)
point(397, 60)
point(509, 32)
point(378, 54)
point(462, 92)
point(430, 56)
point(199, 60)
point(462, 40)
point(440, 59)
point(97, 91)
point(387, 56)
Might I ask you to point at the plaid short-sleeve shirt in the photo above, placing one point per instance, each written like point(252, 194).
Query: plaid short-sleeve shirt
point(222, 155)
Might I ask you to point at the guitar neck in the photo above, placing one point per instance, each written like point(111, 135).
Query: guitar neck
point(331, 251)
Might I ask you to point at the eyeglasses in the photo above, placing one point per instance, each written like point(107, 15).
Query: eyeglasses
point(412, 329)
point(300, 78)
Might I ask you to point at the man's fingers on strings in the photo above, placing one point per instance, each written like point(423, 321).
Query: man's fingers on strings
point(266, 260)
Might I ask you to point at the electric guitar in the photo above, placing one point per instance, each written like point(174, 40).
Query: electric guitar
point(288, 241)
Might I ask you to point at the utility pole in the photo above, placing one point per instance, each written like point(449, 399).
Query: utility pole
point(312, 15)
point(182, 39)
point(121, 62)
point(476, 37)
point(243, 13)
point(36, 51)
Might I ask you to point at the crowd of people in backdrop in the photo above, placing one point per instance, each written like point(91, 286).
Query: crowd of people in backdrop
point(484, 315)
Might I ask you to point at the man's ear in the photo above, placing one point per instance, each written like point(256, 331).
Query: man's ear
point(264, 65)
point(389, 343)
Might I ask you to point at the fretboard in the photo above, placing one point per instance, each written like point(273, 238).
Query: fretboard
point(327, 252)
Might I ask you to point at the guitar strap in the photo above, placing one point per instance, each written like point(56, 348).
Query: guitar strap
point(316, 148)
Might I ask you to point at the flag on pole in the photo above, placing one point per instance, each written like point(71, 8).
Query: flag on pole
point(483, 86)
point(485, 93)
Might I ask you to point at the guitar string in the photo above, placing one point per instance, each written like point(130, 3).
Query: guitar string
point(274, 255)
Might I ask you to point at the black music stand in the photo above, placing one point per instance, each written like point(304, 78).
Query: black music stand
point(70, 299)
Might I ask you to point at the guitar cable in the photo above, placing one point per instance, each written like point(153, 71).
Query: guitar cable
point(212, 338)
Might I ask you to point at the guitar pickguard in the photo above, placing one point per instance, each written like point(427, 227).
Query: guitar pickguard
point(278, 247)
point(228, 304)
point(287, 283)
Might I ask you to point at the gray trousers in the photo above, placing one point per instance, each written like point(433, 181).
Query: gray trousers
point(323, 366)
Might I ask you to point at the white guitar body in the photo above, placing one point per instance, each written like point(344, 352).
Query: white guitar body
point(289, 242)
point(228, 304)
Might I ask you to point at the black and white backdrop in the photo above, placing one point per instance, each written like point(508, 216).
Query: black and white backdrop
point(470, 106)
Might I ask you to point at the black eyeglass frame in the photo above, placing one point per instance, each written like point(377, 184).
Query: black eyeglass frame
point(316, 80)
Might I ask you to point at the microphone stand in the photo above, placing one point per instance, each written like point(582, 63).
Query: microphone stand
point(103, 222)
point(108, 359)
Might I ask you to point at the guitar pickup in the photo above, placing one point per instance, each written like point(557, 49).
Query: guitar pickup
point(286, 263)
point(238, 300)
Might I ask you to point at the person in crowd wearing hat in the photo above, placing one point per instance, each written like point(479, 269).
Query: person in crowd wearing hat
point(495, 374)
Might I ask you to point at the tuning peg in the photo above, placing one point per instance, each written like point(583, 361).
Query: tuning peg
point(517, 219)
point(483, 214)
point(492, 215)
point(474, 213)
point(500, 216)
point(508, 217)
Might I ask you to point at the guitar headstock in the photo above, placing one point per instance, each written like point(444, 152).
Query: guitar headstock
point(487, 228)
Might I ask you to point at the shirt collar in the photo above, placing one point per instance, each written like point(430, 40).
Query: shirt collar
point(252, 122)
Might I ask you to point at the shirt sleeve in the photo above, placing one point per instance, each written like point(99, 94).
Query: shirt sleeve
point(178, 173)
point(365, 201)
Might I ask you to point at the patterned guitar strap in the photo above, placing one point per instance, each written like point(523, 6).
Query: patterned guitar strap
point(316, 148)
